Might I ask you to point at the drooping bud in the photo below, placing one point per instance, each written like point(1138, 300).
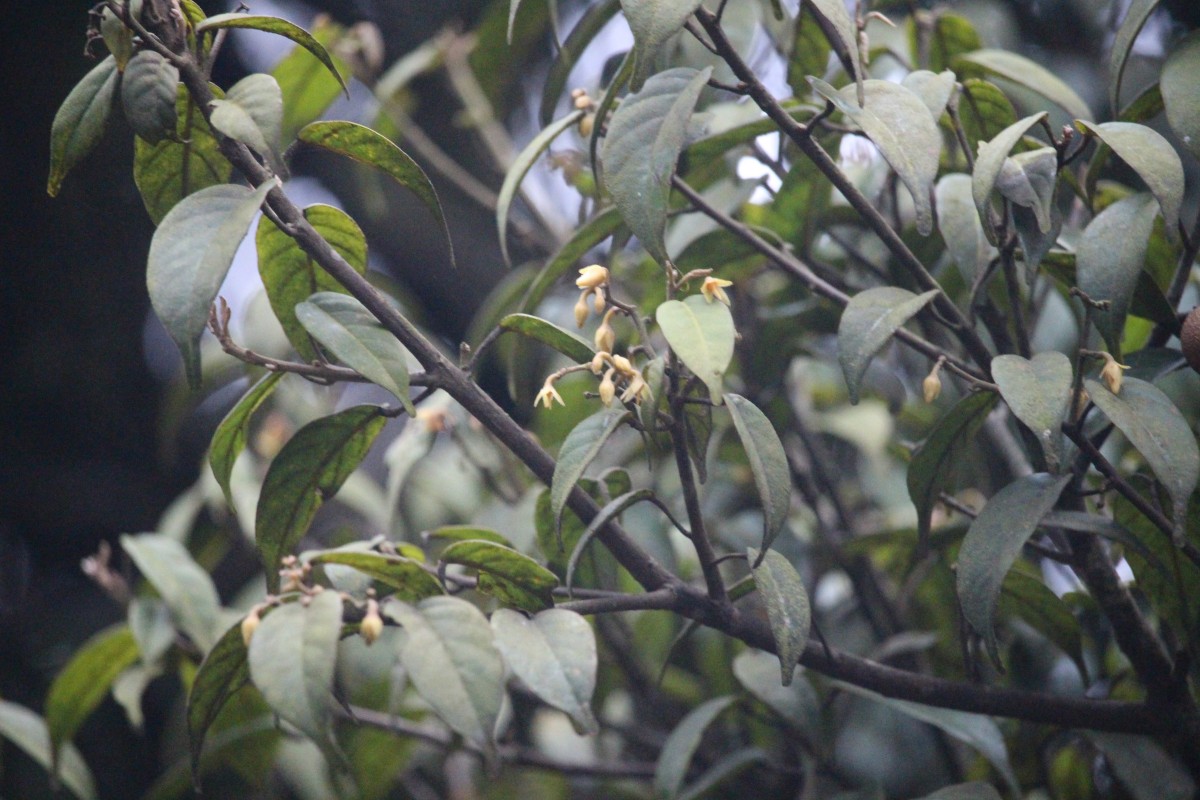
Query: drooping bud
point(586, 125)
point(931, 387)
point(581, 309)
point(372, 624)
point(250, 624)
point(598, 362)
point(598, 301)
point(592, 277)
point(608, 389)
point(605, 337)
point(1110, 373)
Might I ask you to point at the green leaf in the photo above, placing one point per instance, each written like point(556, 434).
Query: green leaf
point(701, 334)
point(361, 144)
point(184, 587)
point(507, 564)
point(952, 35)
point(610, 510)
point(788, 609)
point(1033, 76)
point(292, 657)
point(1109, 259)
point(1154, 426)
point(723, 770)
point(1028, 180)
point(768, 464)
point(579, 449)
point(680, 746)
point(975, 790)
point(1038, 391)
point(309, 469)
point(1149, 154)
point(1145, 769)
point(520, 166)
point(1033, 602)
point(453, 664)
point(277, 26)
point(352, 335)
point(554, 653)
point(984, 110)
point(307, 86)
point(934, 88)
point(900, 125)
point(290, 275)
point(837, 21)
point(809, 54)
point(223, 672)
point(252, 113)
point(468, 533)
point(409, 578)
point(1180, 93)
point(1135, 18)
point(28, 731)
point(990, 162)
point(870, 319)
point(230, 437)
point(149, 87)
point(569, 344)
point(993, 543)
point(645, 136)
point(958, 222)
point(593, 20)
point(81, 685)
point(976, 730)
point(189, 255)
point(117, 37)
point(81, 121)
point(173, 169)
point(797, 704)
point(653, 22)
point(936, 462)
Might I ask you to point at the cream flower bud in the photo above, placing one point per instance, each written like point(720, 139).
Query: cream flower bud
point(372, 624)
point(608, 389)
point(586, 125)
point(623, 366)
point(581, 309)
point(598, 301)
point(1110, 373)
point(598, 362)
point(605, 336)
point(592, 277)
point(931, 386)
point(250, 624)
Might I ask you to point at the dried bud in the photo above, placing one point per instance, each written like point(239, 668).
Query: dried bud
point(608, 389)
point(581, 309)
point(1110, 373)
point(372, 624)
point(250, 624)
point(932, 386)
point(592, 277)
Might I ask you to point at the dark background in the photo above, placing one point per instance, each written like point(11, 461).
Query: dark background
point(82, 451)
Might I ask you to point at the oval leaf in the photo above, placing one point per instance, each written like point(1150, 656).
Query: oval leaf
point(569, 344)
point(1180, 93)
point(177, 166)
point(467, 533)
point(517, 171)
point(768, 464)
point(506, 564)
point(189, 255)
point(1154, 426)
point(453, 664)
point(841, 31)
point(1146, 770)
point(899, 123)
point(1153, 158)
point(701, 334)
point(990, 162)
point(252, 113)
point(360, 143)
point(554, 653)
point(148, 92)
point(28, 731)
point(644, 139)
point(677, 751)
point(309, 469)
point(223, 672)
point(277, 26)
point(935, 462)
point(230, 437)
point(870, 319)
point(81, 121)
point(81, 685)
point(1038, 391)
point(1032, 76)
point(788, 609)
point(653, 22)
point(292, 658)
point(1034, 603)
point(610, 510)
point(409, 578)
point(1135, 18)
point(1109, 259)
point(958, 222)
point(993, 543)
point(352, 334)
point(797, 704)
point(185, 588)
point(578, 450)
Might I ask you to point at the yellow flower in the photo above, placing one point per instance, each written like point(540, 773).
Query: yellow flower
point(714, 289)
point(548, 395)
point(592, 277)
point(1110, 373)
point(636, 390)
